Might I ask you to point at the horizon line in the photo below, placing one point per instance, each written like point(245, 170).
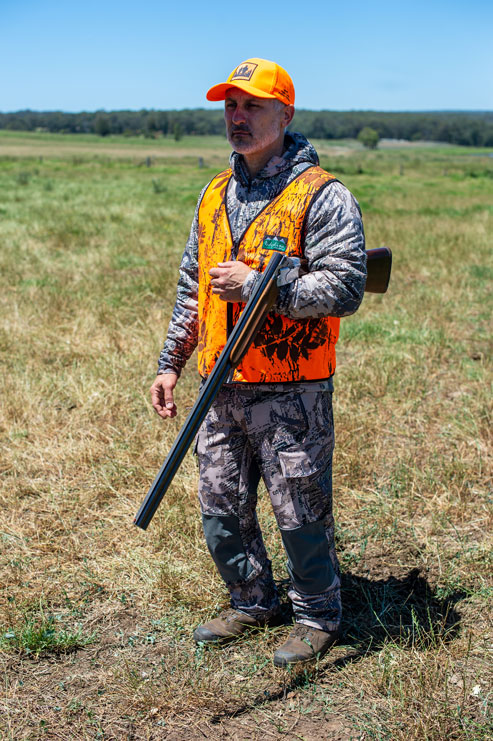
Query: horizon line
point(201, 108)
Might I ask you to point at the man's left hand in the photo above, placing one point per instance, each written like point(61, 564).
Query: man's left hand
point(228, 278)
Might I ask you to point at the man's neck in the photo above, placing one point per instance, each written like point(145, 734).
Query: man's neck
point(256, 161)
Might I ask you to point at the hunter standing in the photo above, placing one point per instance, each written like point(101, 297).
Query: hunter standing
point(273, 418)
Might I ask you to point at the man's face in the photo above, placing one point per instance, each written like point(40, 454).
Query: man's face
point(254, 124)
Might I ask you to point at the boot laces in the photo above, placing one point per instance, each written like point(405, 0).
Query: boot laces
point(301, 631)
point(229, 615)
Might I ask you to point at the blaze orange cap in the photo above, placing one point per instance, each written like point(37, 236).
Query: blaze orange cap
point(260, 78)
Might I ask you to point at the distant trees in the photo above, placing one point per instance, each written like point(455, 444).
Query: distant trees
point(475, 128)
point(368, 137)
point(177, 131)
point(102, 125)
point(157, 122)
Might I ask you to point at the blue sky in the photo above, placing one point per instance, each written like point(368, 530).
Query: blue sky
point(341, 55)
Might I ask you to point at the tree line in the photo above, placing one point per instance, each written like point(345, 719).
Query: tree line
point(466, 128)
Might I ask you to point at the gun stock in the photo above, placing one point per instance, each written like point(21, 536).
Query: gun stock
point(379, 266)
point(240, 338)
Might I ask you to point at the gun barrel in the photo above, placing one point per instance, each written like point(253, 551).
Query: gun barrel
point(250, 321)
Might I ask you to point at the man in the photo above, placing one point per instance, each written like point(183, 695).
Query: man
point(273, 419)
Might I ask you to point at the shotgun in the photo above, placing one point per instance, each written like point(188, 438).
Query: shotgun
point(251, 319)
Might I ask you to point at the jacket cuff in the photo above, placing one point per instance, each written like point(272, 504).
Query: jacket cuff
point(166, 368)
point(251, 281)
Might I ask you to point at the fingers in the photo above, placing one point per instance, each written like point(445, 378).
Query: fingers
point(227, 279)
point(157, 400)
point(219, 276)
point(162, 395)
point(223, 269)
point(169, 402)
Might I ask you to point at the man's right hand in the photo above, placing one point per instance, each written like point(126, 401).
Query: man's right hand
point(162, 394)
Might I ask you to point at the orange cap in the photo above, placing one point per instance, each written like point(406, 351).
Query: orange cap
point(260, 78)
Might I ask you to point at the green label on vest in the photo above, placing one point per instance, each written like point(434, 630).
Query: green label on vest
point(275, 243)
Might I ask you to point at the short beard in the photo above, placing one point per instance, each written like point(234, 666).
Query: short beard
point(248, 145)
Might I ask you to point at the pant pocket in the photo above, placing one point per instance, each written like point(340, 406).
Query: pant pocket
point(306, 455)
point(300, 463)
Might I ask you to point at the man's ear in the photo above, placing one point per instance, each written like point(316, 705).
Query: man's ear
point(288, 113)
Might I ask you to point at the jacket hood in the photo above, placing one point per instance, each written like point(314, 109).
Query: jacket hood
point(298, 150)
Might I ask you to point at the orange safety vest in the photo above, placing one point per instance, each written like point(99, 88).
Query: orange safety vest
point(284, 349)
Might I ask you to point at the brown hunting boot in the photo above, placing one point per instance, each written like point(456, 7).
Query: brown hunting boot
point(304, 644)
point(227, 626)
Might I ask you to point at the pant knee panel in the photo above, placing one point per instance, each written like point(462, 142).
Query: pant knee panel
point(223, 538)
point(309, 562)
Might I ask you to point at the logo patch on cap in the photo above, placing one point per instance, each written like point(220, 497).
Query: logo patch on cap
point(244, 71)
point(275, 243)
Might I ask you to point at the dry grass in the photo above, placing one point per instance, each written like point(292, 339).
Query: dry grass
point(88, 147)
point(96, 616)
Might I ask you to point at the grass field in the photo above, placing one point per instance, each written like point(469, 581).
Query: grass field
point(96, 615)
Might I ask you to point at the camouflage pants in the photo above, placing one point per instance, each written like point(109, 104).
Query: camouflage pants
point(284, 435)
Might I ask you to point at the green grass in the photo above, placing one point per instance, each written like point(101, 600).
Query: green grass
point(41, 635)
point(91, 240)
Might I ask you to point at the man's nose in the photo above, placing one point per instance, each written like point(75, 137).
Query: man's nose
point(238, 115)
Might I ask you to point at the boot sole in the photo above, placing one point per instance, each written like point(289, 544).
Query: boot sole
point(282, 662)
point(221, 640)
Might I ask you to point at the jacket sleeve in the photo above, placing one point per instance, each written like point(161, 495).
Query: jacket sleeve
point(183, 328)
point(334, 248)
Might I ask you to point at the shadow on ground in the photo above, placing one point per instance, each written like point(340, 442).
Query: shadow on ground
point(404, 610)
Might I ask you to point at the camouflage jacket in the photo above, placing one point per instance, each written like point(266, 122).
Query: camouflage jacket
point(334, 248)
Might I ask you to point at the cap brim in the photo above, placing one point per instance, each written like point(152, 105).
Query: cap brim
point(218, 92)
